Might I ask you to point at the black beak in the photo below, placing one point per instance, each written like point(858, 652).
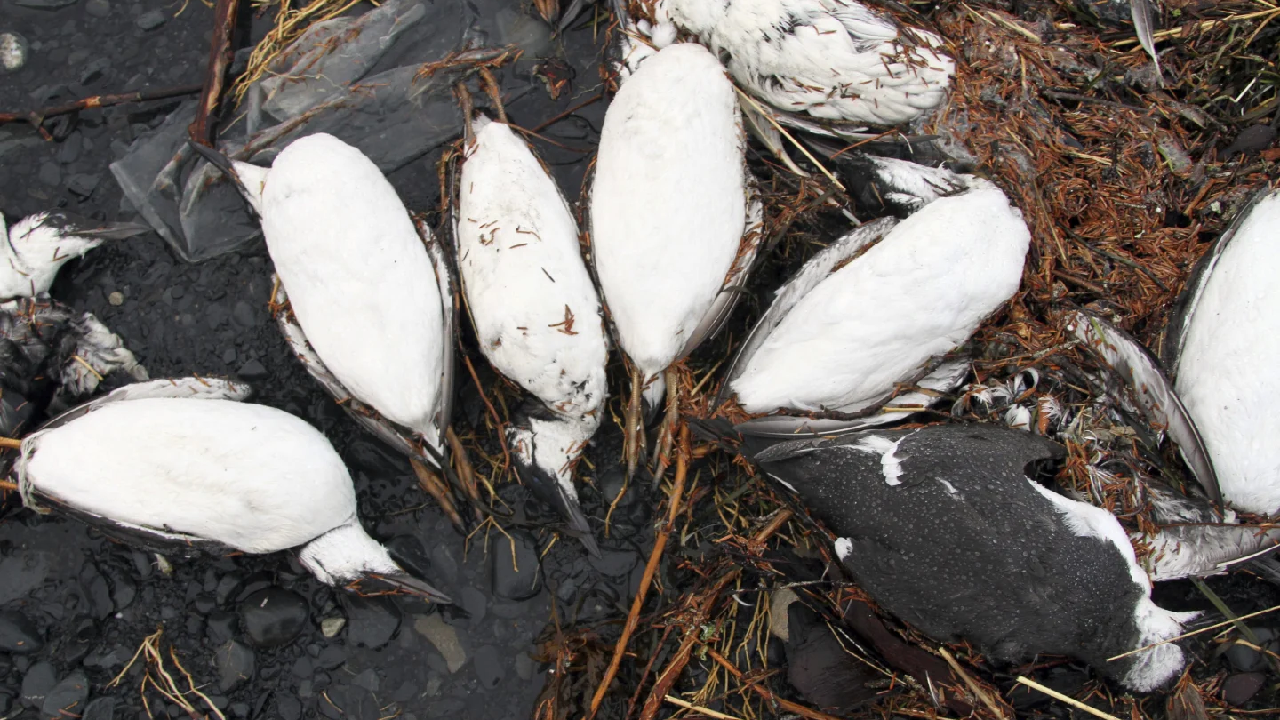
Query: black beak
point(217, 159)
point(403, 582)
point(79, 226)
point(547, 488)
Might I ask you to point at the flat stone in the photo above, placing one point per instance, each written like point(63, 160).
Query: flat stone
point(18, 634)
point(1241, 687)
point(371, 622)
point(330, 627)
point(68, 698)
point(235, 664)
point(37, 684)
point(103, 708)
point(82, 185)
point(49, 174)
point(489, 669)
point(272, 616)
point(150, 20)
point(252, 370)
point(520, 579)
point(445, 639)
point(98, 8)
point(288, 707)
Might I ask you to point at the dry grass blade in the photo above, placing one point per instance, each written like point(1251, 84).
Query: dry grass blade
point(291, 23)
point(161, 680)
point(700, 710)
point(1066, 699)
point(1183, 636)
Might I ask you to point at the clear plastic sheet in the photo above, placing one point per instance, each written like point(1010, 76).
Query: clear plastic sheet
point(381, 81)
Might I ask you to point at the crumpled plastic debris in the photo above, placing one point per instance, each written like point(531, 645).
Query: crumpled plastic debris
point(382, 82)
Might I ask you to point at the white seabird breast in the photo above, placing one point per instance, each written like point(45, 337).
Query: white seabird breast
point(249, 476)
point(1226, 371)
point(879, 319)
point(668, 203)
point(359, 279)
point(536, 312)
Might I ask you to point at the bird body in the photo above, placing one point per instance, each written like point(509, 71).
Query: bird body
point(669, 205)
point(186, 460)
point(943, 527)
point(830, 59)
point(852, 330)
point(360, 280)
point(1225, 346)
point(35, 248)
point(535, 310)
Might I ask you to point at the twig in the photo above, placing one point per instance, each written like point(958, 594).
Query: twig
point(497, 421)
point(7, 486)
point(201, 129)
point(10, 443)
point(783, 131)
point(977, 690)
point(1066, 699)
point(659, 544)
point(1215, 626)
point(36, 117)
point(548, 123)
point(699, 709)
point(767, 694)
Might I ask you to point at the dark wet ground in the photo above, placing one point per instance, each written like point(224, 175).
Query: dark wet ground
point(79, 605)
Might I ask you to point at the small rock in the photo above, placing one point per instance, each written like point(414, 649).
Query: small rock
point(103, 708)
point(331, 657)
point(150, 20)
point(474, 603)
point(1240, 688)
point(518, 580)
point(82, 185)
point(614, 563)
point(488, 664)
point(49, 174)
point(252, 370)
point(445, 639)
point(37, 684)
point(221, 627)
point(367, 680)
point(18, 634)
point(98, 8)
point(1251, 140)
point(303, 668)
point(94, 70)
point(288, 707)
point(349, 702)
point(525, 666)
point(1245, 658)
point(372, 622)
point(272, 616)
point(235, 665)
point(107, 660)
point(330, 627)
point(68, 698)
point(243, 314)
point(13, 51)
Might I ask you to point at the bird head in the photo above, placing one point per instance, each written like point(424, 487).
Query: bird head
point(545, 449)
point(347, 557)
point(39, 245)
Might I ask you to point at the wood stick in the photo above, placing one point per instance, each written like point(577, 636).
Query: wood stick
point(7, 486)
point(10, 443)
point(767, 694)
point(36, 117)
point(202, 128)
point(699, 709)
point(659, 544)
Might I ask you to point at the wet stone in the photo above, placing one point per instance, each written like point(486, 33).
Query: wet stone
point(330, 627)
point(68, 698)
point(474, 603)
point(235, 665)
point(1246, 659)
point(18, 634)
point(107, 660)
point(488, 664)
point(150, 20)
point(445, 638)
point(98, 8)
point(349, 702)
point(49, 174)
point(525, 666)
point(103, 708)
point(272, 616)
point(82, 185)
point(331, 657)
point(252, 370)
point(522, 579)
point(303, 668)
point(222, 626)
point(614, 563)
point(367, 680)
point(372, 622)
point(37, 683)
point(94, 70)
point(1240, 688)
point(288, 707)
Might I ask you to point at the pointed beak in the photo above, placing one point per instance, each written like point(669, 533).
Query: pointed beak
point(404, 582)
point(547, 487)
point(114, 231)
point(220, 161)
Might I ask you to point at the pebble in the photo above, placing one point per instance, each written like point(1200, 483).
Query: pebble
point(372, 622)
point(1246, 659)
point(103, 708)
point(445, 639)
point(49, 174)
point(68, 698)
point(367, 680)
point(82, 185)
point(221, 626)
point(107, 660)
point(474, 603)
point(488, 664)
point(98, 8)
point(235, 665)
point(331, 657)
point(288, 707)
point(1240, 688)
point(150, 20)
point(525, 666)
point(522, 579)
point(614, 563)
point(18, 634)
point(252, 370)
point(349, 702)
point(94, 70)
point(13, 51)
point(330, 627)
point(37, 683)
point(272, 616)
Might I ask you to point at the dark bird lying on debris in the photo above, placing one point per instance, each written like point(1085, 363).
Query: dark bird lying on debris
point(181, 464)
point(943, 526)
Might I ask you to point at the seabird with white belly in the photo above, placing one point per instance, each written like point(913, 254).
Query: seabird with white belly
point(944, 528)
point(674, 222)
point(37, 246)
point(185, 463)
point(535, 310)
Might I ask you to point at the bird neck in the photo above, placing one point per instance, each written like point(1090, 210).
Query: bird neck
point(346, 553)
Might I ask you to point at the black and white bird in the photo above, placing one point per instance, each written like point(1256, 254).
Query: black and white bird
point(186, 464)
point(1220, 348)
point(36, 247)
point(859, 319)
point(536, 313)
point(944, 527)
point(823, 60)
point(370, 302)
point(674, 222)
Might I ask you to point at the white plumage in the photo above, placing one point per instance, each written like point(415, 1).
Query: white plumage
point(669, 204)
point(535, 310)
point(832, 59)
point(878, 320)
point(38, 246)
point(361, 283)
point(1230, 344)
point(184, 460)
